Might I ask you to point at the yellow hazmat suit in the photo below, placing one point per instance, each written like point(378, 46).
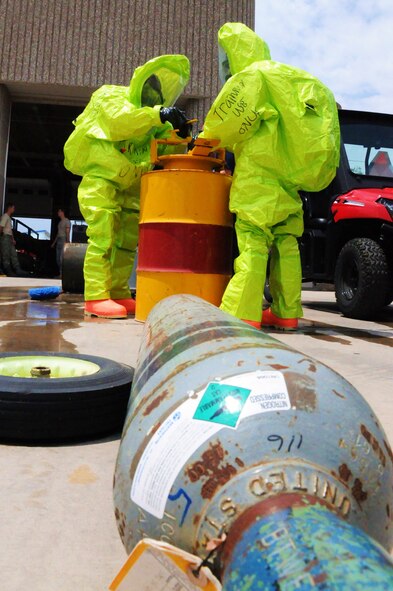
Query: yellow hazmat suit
point(282, 125)
point(110, 148)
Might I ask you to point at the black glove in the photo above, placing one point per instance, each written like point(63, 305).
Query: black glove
point(178, 120)
point(191, 144)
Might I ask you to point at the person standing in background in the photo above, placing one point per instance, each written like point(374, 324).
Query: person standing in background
point(9, 257)
point(62, 237)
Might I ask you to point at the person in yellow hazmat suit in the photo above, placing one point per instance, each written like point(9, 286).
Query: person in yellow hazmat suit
point(110, 149)
point(282, 125)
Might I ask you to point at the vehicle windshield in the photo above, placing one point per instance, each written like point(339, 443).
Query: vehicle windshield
point(369, 148)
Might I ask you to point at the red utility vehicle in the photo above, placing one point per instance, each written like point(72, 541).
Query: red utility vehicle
point(348, 235)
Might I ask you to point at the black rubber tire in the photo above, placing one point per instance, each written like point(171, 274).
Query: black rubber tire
point(361, 278)
point(72, 279)
point(389, 299)
point(266, 290)
point(60, 409)
point(389, 291)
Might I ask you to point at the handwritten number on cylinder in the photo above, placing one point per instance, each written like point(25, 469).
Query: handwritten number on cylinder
point(296, 440)
point(276, 438)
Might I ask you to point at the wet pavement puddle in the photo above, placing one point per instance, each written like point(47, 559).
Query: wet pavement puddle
point(342, 335)
point(335, 334)
point(37, 325)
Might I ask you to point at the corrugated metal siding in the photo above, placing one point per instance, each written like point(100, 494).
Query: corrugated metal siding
point(86, 43)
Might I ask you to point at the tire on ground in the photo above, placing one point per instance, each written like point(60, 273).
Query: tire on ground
point(267, 293)
point(266, 290)
point(389, 291)
point(361, 278)
point(72, 279)
point(63, 408)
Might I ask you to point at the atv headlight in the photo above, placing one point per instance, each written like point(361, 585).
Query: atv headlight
point(388, 203)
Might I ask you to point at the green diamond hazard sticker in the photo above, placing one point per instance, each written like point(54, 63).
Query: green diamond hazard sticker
point(221, 403)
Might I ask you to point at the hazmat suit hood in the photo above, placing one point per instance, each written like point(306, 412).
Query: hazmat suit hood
point(241, 47)
point(160, 81)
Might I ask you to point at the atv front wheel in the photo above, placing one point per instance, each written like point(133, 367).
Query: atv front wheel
point(361, 278)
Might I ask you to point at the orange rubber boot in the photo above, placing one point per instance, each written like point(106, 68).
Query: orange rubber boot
point(128, 303)
point(104, 309)
point(270, 319)
point(253, 323)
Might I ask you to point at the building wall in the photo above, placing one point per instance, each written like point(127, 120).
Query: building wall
point(59, 50)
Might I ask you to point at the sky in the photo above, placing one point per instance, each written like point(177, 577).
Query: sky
point(347, 44)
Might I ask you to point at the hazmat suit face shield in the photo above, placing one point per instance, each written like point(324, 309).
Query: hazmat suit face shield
point(160, 81)
point(224, 71)
point(151, 92)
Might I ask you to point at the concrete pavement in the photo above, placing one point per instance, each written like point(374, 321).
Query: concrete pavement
point(57, 525)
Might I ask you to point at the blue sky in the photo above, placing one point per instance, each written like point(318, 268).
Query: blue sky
point(347, 44)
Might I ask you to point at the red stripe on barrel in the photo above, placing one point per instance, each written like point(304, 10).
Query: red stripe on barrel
point(185, 248)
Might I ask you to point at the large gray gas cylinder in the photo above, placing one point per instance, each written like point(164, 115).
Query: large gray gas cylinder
point(223, 417)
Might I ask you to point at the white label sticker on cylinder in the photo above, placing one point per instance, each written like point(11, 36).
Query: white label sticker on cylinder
point(222, 404)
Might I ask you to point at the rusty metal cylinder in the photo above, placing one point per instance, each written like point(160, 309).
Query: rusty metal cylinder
point(223, 417)
point(185, 228)
point(294, 542)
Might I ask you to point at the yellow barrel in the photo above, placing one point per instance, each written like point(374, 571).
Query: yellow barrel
point(185, 229)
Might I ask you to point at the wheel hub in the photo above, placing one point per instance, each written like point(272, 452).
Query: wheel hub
point(351, 281)
point(46, 366)
point(40, 371)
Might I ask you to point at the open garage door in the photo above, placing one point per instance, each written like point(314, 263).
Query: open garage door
point(37, 182)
